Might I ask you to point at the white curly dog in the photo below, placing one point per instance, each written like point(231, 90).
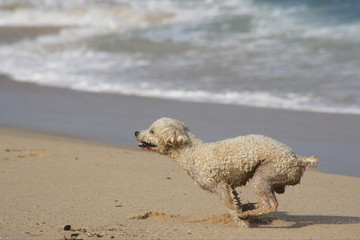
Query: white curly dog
point(220, 167)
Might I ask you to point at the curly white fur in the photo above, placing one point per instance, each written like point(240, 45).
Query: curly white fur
point(220, 167)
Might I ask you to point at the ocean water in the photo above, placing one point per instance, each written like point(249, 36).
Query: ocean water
point(291, 54)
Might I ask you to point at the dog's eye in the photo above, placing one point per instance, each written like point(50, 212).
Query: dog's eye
point(152, 131)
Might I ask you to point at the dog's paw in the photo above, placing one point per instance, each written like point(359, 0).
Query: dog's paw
point(242, 223)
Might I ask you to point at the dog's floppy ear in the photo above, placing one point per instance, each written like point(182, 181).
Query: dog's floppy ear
point(175, 135)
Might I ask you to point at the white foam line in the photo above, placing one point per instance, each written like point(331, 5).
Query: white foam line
point(290, 101)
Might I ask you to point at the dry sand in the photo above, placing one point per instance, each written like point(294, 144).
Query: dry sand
point(108, 191)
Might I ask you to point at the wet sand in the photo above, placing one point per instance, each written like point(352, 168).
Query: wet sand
point(114, 118)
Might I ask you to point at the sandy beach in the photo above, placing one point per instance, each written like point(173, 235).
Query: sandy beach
point(100, 189)
point(69, 168)
point(104, 191)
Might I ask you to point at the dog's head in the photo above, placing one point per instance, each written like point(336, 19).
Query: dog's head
point(163, 135)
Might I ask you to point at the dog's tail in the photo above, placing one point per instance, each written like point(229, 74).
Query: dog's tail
point(310, 161)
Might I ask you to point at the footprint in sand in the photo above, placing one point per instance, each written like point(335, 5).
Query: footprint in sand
point(24, 153)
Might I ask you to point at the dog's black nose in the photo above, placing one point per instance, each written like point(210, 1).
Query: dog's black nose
point(136, 133)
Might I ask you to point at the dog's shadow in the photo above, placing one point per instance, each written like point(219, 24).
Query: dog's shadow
point(277, 220)
point(284, 220)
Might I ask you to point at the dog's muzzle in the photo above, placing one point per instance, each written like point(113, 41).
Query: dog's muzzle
point(144, 144)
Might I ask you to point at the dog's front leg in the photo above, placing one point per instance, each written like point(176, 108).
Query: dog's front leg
point(228, 195)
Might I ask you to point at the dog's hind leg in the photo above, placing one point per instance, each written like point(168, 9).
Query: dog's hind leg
point(229, 196)
point(268, 204)
point(265, 191)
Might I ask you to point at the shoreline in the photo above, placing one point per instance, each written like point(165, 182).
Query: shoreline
point(50, 181)
point(113, 118)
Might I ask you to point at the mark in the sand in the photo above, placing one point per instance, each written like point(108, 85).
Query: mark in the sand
point(41, 234)
point(222, 219)
point(25, 153)
point(28, 150)
point(158, 215)
point(3, 171)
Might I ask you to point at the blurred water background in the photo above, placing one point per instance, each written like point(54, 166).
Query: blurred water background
point(291, 54)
